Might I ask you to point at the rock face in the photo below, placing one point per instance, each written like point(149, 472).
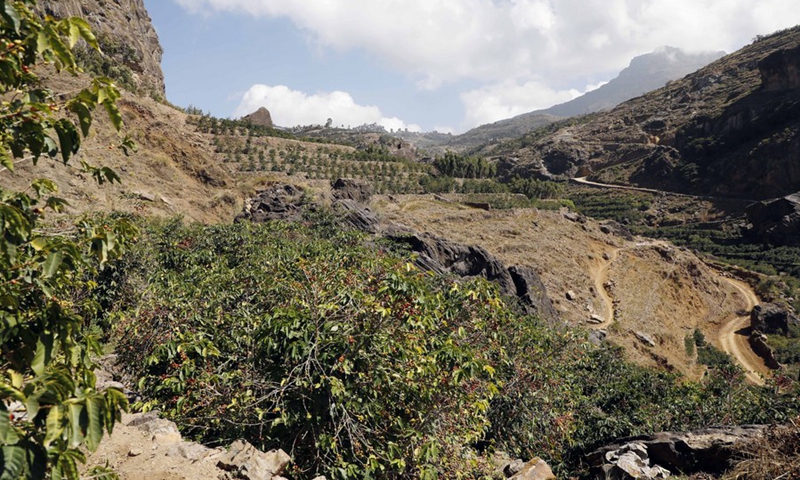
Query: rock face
point(706, 450)
point(127, 25)
point(278, 202)
point(260, 117)
point(730, 129)
point(352, 189)
point(445, 257)
point(781, 70)
point(772, 318)
point(776, 221)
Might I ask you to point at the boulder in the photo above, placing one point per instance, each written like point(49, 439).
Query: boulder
point(352, 189)
point(610, 227)
point(281, 201)
point(163, 432)
point(536, 469)
point(250, 463)
point(708, 450)
point(357, 215)
point(772, 318)
point(260, 117)
point(531, 292)
point(631, 462)
point(645, 338)
point(776, 221)
point(758, 342)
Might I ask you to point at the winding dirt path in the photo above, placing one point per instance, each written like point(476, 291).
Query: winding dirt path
point(599, 273)
point(734, 336)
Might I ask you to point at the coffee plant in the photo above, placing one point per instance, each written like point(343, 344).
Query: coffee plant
point(50, 410)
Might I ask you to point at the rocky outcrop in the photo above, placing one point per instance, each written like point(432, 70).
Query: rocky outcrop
point(126, 34)
point(280, 201)
point(709, 450)
point(352, 189)
point(731, 129)
point(445, 257)
point(758, 342)
point(357, 215)
point(777, 221)
point(781, 70)
point(249, 463)
point(260, 117)
point(773, 318)
point(531, 292)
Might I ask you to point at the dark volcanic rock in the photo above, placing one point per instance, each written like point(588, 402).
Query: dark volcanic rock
point(758, 342)
point(443, 257)
point(278, 202)
point(708, 450)
point(776, 221)
point(781, 70)
point(352, 189)
point(260, 117)
point(532, 292)
point(772, 318)
point(358, 216)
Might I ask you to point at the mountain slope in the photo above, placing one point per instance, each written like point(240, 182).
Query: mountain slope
point(645, 73)
point(730, 129)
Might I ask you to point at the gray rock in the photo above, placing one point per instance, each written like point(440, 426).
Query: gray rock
point(278, 202)
point(645, 338)
point(772, 318)
point(513, 467)
point(597, 336)
point(260, 117)
point(352, 189)
point(595, 319)
point(531, 292)
point(248, 462)
point(536, 469)
point(571, 296)
point(707, 450)
point(357, 215)
point(162, 431)
point(776, 221)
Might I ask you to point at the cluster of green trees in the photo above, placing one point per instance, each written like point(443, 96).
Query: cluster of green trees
point(452, 164)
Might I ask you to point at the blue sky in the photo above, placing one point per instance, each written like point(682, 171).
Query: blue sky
point(427, 64)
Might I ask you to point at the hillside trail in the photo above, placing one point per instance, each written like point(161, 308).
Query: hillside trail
point(734, 336)
point(599, 273)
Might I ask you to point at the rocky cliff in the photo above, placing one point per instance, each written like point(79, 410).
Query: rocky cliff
point(729, 129)
point(126, 35)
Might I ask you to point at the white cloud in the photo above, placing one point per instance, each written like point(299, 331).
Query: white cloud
point(509, 99)
point(291, 107)
point(441, 41)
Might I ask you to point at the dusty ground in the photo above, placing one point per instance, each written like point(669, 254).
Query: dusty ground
point(638, 285)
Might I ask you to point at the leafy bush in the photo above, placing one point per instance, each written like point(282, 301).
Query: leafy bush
point(50, 409)
point(301, 337)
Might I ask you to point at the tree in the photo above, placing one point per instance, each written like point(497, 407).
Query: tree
point(49, 406)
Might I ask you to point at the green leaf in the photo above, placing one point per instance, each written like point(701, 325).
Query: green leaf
point(56, 204)
point(84, 115)
point(95, 406)
point(113, 114)
point(52, 264)
point(5, 159)
point(75, 416)
point(68, 138)
point(44, 185)
point(8, 435)
point(43, 355)
point(54, 426)
point(12, 460)
point(79, 25)
point(11, 15)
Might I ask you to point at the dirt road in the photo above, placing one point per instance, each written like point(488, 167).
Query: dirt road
point(733, 336)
